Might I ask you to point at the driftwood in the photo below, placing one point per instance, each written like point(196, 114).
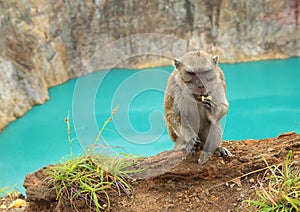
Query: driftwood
point(157, 165)
point(248, 157)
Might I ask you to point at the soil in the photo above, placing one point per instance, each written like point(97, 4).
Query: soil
point(218, 185)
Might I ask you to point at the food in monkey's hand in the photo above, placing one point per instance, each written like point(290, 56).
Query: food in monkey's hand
point(202, 98)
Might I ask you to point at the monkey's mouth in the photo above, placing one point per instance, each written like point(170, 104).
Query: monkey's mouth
point(201, 97)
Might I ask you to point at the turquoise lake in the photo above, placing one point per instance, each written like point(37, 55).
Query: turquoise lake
point(264, 100)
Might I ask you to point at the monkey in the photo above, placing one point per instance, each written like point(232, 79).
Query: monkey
point(194, 103)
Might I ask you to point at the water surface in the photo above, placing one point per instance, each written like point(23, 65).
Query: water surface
point(264, 101)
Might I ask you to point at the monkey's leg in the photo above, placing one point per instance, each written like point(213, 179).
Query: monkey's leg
point(212, 144)
point(185, 136)
point(181, 144)
point(187, 132)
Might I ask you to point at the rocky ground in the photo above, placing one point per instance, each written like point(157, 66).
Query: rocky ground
point(219, 185)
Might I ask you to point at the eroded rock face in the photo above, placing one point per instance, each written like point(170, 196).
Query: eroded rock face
point(45, 43)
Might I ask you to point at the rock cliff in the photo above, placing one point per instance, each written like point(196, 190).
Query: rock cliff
point(45, 43)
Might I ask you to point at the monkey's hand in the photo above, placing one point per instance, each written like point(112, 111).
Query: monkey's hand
point(216, 109)
point(209, 104)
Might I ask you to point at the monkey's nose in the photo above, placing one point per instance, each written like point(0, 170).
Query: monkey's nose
point(202, 90)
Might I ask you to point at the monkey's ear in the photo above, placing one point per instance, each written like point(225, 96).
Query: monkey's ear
point(177, 63)
point(215, 59)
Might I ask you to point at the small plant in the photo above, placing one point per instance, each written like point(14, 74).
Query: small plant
point(2, 190)
point(280, 188)
point(80, 179)
point(92, 177)
point(10, 192)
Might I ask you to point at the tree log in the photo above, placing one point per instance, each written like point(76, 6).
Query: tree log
point(157, 165)
point(249, 155)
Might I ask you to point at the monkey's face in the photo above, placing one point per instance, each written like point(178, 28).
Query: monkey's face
point(193, 83)
point(197, 73)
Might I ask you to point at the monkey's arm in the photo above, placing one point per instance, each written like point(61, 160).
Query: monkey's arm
point(212, 144)
point(179, 129)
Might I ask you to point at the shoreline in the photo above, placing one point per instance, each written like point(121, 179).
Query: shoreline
point(4, 122)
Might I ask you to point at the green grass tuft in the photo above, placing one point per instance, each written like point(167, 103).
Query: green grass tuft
point(81, 179)
point(92, 178)
point(280, 188)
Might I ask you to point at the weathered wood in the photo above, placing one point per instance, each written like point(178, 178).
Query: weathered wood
point(157, 165)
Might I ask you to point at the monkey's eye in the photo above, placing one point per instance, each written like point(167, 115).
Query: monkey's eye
point(207, 73)
point(189, 71)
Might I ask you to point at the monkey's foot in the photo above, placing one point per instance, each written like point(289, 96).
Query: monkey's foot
point(220, 151)
point(223, 152)
point(204, 156)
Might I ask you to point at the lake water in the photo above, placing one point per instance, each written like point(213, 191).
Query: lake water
point(264, 100)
